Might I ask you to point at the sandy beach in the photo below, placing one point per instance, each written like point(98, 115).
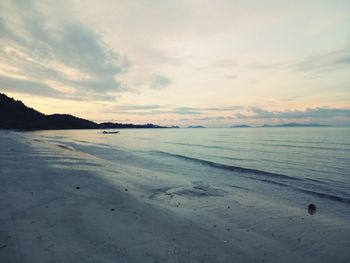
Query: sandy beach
point(59, 204)
point(174, 131)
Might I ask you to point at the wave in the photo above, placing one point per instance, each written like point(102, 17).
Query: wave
point(308, 142)
point(262, 173)
point(228, 167)
point(337, 198)
point(305, 147)
point(325, 195)
point(264, 144)
point(200, 145)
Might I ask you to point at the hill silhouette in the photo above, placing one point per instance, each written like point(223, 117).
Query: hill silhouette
point(15, 115)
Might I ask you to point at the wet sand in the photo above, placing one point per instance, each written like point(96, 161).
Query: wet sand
point(59, 205)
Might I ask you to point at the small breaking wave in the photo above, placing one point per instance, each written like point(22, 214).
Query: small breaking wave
point(260, 173)
point(227, 167)
point(325, 195)
point(200, 145)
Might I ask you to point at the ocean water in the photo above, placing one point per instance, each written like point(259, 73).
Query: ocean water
point(313, 161)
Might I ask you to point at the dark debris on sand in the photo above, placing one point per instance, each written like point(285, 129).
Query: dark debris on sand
point(311, 209)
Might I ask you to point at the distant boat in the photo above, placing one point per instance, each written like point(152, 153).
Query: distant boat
point(111, 132)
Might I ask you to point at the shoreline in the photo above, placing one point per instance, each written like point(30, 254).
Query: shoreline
point(45, 218)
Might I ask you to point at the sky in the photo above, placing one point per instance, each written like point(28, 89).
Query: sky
point(184, 62)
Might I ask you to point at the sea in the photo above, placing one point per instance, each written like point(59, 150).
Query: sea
point(313, 160)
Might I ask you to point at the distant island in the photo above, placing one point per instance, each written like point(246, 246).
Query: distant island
point(283, 125)
point(15, 115)
point(240, 126)
point(195, 127)
point(292, 124)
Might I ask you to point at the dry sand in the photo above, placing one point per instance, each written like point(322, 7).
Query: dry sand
point(87, 212)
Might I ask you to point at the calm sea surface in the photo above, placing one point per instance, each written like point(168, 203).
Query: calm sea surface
point(314, 161)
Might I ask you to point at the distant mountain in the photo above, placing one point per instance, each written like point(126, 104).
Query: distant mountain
point(240, 126)
point(15, 115)
point(198, 126)
point(111, 125)
point(295, 125)
point(66, 121)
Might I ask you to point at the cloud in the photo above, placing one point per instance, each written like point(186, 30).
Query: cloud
point(231, 76)
point(318, 113)
point(164, 109)
point(137, 107)
point(186, 111)
point(29, 87)
point(35, 88)
point(224, 63)
point(160, 81)
point(215, 118)
point(159, 112)
point(228, 108)
point(266, 66)
point(322, 62)
point(46, 48)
